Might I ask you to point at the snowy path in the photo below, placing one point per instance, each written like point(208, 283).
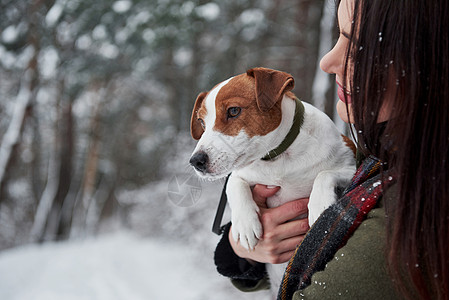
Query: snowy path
point(113, 267)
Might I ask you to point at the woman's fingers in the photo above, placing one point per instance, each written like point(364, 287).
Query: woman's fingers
point(265, 190)
point(283, 250)
point(285, 212)
point(285, 237)
point(262, 192)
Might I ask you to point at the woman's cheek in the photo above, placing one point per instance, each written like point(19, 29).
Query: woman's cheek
point(342, 112)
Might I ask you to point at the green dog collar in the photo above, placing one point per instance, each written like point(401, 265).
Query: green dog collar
point(298, 120)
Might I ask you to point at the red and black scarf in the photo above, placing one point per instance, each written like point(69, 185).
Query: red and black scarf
point(334, 227)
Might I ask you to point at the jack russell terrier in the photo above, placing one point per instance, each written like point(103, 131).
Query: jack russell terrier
point(253, 126)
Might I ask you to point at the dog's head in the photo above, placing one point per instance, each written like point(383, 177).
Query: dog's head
point(235, 121)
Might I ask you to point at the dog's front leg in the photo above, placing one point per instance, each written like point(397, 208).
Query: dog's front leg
point(323, 191)
point(246, 226)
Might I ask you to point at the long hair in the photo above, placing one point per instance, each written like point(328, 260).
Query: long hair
point(400, 48)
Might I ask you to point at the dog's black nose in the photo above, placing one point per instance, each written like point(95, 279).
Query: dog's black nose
point(199, 161)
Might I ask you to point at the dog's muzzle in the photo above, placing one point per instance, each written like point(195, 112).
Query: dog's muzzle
point(199, 161)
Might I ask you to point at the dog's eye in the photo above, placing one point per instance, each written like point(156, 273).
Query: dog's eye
point(202, 123)
point(234, 112)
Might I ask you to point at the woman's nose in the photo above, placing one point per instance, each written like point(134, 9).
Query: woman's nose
point(331, 62)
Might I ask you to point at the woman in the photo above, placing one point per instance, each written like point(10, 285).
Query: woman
point(391, 63)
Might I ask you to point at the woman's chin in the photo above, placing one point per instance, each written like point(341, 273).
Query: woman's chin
point(342, 111)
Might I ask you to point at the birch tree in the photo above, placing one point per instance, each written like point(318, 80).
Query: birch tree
point(24, 100)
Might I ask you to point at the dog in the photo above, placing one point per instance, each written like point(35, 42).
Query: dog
point(254, 127)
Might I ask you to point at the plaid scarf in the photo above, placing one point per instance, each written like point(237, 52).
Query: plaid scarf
point(334, 227)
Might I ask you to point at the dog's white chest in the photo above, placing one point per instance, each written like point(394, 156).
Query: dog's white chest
point(295, 182)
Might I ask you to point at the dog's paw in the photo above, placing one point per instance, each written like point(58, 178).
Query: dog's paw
point(247, 230)
point(319, 201)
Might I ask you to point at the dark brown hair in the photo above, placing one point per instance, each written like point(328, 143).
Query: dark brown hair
point(402, 47)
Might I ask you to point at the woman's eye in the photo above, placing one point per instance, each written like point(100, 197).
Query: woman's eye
point(234, 112)
point(202, 123)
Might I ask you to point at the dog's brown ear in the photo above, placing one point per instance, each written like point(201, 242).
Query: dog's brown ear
point(196, 129)
point(271, 85)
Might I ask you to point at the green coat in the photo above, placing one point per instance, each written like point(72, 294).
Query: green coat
point(359, 269)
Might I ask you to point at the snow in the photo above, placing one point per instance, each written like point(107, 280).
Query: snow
point(22, 60)
point(183, 57)
point(10, 34)
point(149, 35)
point(209, 11)
point(253, 21)
point(83, 42)
point(252, 16)
point(109, 50)
point(48, 61)
point(112, 267)
point(99, 32)
point(54, 13)
point(7, 59)
point(187, 8)
point(121, 6)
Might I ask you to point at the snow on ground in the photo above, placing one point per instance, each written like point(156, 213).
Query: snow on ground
point(113, 267)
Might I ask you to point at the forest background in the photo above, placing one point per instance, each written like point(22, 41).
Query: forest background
point(96, 98)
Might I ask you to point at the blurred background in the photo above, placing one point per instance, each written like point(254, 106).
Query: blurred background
point(95, 104)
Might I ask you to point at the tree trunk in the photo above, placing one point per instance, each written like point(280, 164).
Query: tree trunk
point(321, 84)
point(11, 138)
point(89, 184)
point(95, 209)
point(65, 146)
point(65, 172)
point(25, 97)
point(37, 233)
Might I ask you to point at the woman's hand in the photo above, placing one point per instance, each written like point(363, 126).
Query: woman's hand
point(280, 238)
